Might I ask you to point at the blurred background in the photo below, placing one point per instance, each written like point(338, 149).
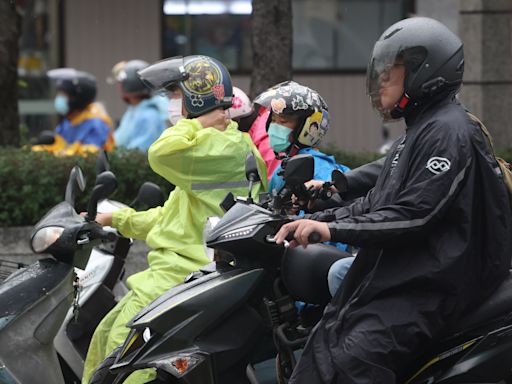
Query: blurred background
point(332, 41)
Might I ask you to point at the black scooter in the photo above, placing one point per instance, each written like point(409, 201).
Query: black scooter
point(216, 325)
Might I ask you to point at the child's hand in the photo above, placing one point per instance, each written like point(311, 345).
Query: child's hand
point(214, 119)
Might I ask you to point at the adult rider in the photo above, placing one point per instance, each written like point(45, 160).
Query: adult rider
point(434, 232)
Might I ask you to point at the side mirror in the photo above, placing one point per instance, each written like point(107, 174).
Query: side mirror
point(251, 172)
point(339, 180)
point(46, 138)
point(299, 169)
point(76, 179)
point(102, 163)
point(149, 196)
point(251, 168)
point(106, 183)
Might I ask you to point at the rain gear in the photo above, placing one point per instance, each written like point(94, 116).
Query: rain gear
point(324, 165)
point(81, 132)
point(435, 238)
point(259, 136)
point(204, 165)
point(140, 125)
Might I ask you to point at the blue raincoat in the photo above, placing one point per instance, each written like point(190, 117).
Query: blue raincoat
point(140, 125)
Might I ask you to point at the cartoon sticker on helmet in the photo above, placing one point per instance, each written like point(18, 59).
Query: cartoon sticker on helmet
point(203, 76)
point(298, 103)
point(278, 105)
point(314, 130)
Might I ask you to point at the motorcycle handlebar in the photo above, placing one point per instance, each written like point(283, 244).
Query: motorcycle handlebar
point(314, 237)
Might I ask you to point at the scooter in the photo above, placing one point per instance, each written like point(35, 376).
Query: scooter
point(94, 289)
point(225, 317)
point(214, 327)
point(99, 287)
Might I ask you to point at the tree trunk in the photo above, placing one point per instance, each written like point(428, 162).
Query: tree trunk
point(9, 33)
point(272, 37)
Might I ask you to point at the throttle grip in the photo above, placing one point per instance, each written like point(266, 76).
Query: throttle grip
point(314, 237)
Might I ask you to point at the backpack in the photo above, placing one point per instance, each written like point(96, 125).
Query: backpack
point(505, 167)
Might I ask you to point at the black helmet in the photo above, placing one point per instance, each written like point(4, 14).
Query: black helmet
point(305, 104)
point(432, 55)
point(126, 75)
point(79, 86)
point(205, 82)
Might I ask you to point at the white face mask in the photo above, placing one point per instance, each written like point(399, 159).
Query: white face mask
point(175, 110)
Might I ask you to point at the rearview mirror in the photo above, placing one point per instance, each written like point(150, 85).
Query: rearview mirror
point(76, 179)
point(102, 163)
point(298, 169)
point(251, 172)
point(251, 168)
point(150, 195)
point(46, 138)
point(339, 180)
point(106, 183)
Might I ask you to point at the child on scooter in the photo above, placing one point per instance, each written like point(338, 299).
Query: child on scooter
point(297, 124)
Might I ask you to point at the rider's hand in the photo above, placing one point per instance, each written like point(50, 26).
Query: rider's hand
point(104, 219)
point(303, 228)
point(313, 184)
point(318, 184)
point(214, 119)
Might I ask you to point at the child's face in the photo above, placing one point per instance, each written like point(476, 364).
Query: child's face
point(284, 120)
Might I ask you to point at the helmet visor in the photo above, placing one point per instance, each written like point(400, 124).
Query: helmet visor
point(385, 79)
point(164, 74)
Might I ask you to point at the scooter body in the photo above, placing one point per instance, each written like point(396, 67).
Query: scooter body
point(34, 301)
point(100, 287)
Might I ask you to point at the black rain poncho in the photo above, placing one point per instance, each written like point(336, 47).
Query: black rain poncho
point(435, 234)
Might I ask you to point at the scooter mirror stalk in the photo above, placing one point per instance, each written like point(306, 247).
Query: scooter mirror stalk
point(106, 183)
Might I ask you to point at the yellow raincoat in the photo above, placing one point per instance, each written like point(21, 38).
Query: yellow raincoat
point(204, 164)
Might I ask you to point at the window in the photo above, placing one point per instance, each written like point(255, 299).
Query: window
point(328, 34)
point(38, 42)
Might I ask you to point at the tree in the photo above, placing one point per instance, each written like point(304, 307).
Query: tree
point(272, 37)
point(9, 33)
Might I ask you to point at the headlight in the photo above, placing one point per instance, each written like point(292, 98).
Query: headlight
point(240, 232)
point(146, 335)
point(180, 363)
point(211, 222)
point(45, 237)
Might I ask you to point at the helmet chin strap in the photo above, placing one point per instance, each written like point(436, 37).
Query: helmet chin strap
point(399, 108)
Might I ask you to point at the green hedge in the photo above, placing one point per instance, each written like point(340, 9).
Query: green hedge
point(32, 182)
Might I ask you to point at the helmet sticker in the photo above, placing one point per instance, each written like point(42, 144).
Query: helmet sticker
point(196, 100)
point(237, 102)
point(218, 91)
point(298, 103)
point(438, 165)
point(278, 105)
point(314, 129)
point(203, 76)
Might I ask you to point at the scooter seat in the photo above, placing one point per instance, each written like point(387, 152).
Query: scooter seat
point(27, 286)
point(497, 305)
